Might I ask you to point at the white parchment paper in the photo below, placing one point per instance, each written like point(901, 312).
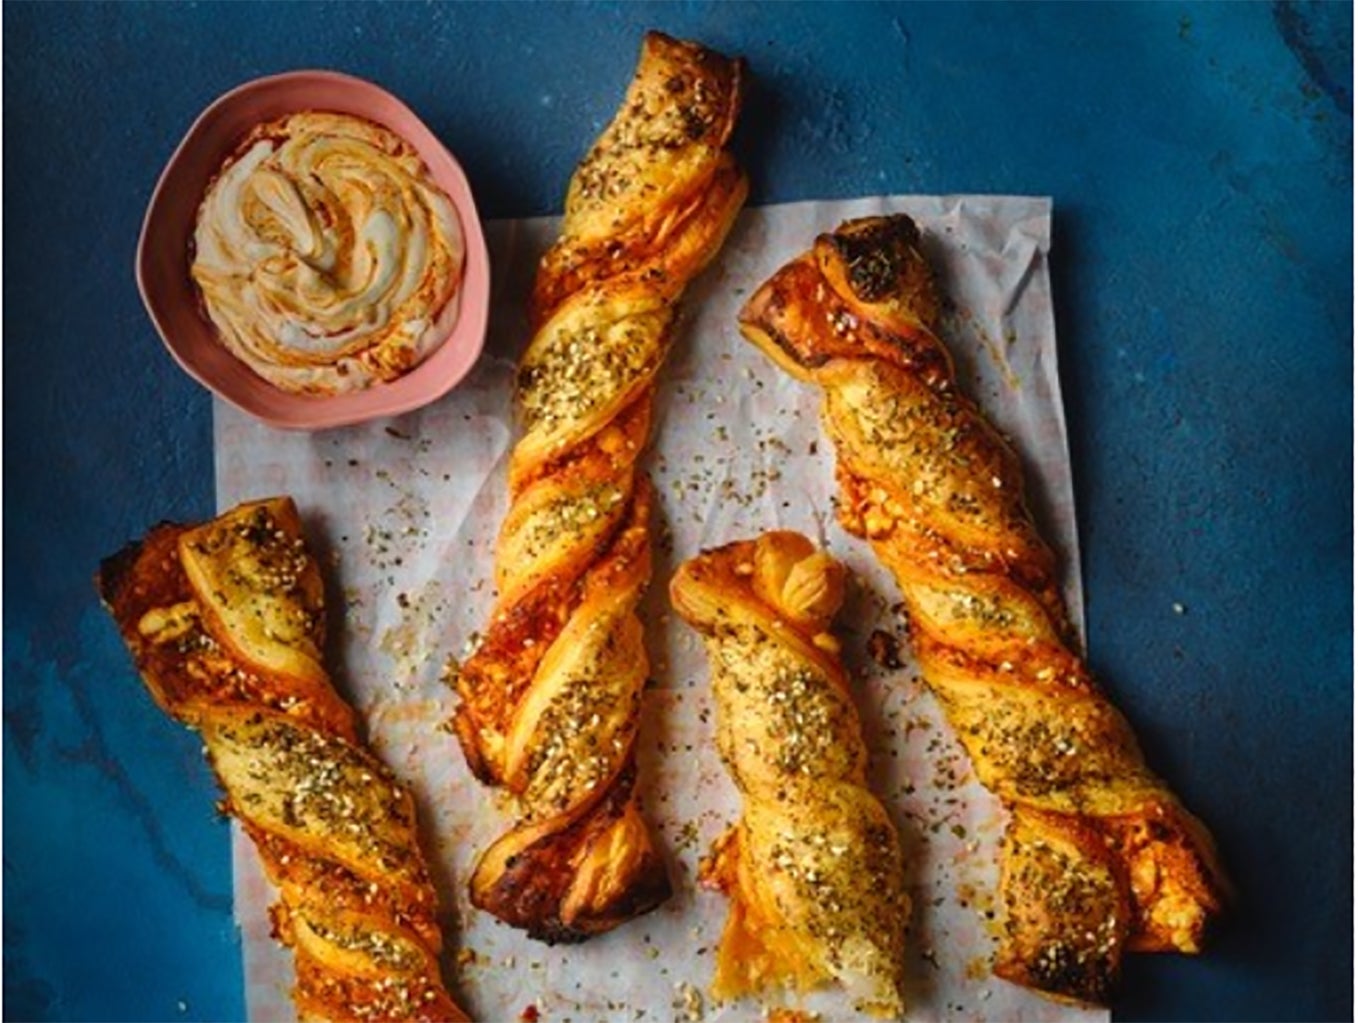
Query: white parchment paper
point(406, 511)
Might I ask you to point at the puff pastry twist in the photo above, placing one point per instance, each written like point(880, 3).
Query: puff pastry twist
point(550, 698)
point(226, 624)
point(1099, 856)
point(813, 868)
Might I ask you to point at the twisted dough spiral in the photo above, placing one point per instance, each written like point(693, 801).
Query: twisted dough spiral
point(813, 868)
point(1099, 856)
point(225, 622)
point(550, 698)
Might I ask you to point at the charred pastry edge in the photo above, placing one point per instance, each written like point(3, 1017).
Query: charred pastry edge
point(874, 251)
point(911, 347)
point(114, 570)
point(536, 907)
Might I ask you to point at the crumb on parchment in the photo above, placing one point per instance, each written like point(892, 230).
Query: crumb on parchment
point(688, 1003)
point(885, 649)
point(783, 1014)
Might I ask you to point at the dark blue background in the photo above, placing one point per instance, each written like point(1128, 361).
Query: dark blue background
point(1200, 162)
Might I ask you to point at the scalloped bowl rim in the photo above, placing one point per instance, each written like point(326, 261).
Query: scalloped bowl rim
point(171, 300)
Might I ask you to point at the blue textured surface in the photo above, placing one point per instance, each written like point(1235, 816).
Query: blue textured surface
point(1200, 162)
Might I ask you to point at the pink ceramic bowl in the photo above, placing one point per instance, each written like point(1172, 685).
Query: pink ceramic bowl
point(163, 254)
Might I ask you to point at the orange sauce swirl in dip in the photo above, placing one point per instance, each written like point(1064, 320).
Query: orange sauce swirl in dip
point(325, 253)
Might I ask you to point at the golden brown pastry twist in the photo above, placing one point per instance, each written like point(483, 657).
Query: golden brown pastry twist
point(550, 698)
point(1099, 856)
point(813, 868)
point(226, 624)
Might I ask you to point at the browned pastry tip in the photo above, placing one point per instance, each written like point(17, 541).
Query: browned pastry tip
point(551, 696)
point(522, 877)
point(225, 622)
point(657, 192)
point(1100, 857)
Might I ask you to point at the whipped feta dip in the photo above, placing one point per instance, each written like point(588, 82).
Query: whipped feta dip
point(325, 254)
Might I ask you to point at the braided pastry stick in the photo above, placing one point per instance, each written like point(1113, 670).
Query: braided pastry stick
point(226, 624)
point(813, 868)
point(1099, 856)
point(550, 698)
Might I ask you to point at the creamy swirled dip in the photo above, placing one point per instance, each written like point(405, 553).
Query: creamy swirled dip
point(325, 253)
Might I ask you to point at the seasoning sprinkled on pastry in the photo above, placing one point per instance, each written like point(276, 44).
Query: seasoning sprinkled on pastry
point(813, 867)
point(226, 624)
point(1099, 858)
point(550, 700)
